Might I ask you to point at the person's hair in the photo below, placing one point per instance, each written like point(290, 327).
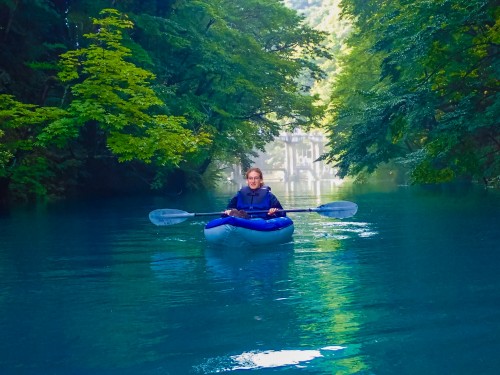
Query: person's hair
point(255, 169)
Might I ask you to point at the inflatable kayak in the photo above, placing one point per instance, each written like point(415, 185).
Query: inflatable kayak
point(235, 231)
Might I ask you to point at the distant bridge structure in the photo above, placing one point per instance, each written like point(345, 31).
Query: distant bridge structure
point(302, 151)
point(294, 157)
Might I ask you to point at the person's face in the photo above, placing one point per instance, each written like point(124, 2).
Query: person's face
point(253, 180)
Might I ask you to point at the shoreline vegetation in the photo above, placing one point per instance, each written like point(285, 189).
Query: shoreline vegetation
point(161, 97)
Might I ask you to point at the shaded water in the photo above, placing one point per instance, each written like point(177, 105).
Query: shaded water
point(410, 285)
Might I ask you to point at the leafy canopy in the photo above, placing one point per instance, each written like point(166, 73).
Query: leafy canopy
point(419, 85)
point(115, 94)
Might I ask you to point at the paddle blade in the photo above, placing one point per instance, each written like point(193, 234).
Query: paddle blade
point(168, 216)
point(339, 210)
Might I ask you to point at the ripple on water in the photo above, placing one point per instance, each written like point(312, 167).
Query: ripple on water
point(343, 230)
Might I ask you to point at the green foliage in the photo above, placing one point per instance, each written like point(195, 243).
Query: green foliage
point(171, 84)
point(419, 77)
point(19, 125)
point(165, 139)
point(29, 179)
point(109, 94)
point(324, 15)
point(231, 68)
point(116, 95)
point(22, 163)
point(13, 116)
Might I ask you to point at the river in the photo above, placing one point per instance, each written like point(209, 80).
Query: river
point(409, 285)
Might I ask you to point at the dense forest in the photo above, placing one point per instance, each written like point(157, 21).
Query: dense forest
point(128, 96)
point(419, 86)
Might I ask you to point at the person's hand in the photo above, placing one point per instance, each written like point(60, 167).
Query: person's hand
point(227, 212)
point(272, 211)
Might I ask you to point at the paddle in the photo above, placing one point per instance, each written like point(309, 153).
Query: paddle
point(338, 210)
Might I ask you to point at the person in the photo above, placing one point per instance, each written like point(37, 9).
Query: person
point(254, 197)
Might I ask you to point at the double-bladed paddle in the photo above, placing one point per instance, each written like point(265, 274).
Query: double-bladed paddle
point(338, 210)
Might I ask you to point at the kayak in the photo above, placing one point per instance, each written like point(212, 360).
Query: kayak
point(231, 231)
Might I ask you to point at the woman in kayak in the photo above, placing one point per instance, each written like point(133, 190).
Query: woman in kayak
point(254, 197)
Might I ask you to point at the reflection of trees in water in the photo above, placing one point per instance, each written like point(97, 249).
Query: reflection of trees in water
point(278, 300)
point(305, 299)
point(325, 279)
point(252, 273)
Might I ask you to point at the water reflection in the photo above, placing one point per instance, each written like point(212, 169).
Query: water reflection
point(225, 261)
point(331, 358)
point(408, 286)
point(249, 272)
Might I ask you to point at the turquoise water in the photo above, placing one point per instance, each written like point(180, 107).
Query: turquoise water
point(410, 285)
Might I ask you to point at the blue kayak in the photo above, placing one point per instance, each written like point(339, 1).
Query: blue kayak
point(234, 231)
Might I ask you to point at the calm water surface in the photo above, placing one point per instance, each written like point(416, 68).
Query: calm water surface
point(410, 285)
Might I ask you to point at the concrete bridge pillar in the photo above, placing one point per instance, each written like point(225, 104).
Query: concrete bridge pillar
point(316, 151)
point(290, 156)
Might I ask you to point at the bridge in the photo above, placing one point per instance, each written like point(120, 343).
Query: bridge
point(293, 157)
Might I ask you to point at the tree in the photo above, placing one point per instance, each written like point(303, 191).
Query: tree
point(111, 110)
point(192, 85)
point(114, 95)
point(24, 167)
point(232, 66)
point(430, 96)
